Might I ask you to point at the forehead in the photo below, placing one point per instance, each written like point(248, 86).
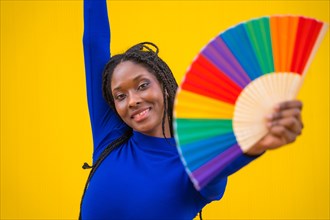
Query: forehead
point(129, 72)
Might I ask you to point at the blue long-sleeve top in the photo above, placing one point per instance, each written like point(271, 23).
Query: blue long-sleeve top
point(144, 177)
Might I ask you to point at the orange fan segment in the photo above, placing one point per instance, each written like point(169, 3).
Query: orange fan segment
point(283, 33)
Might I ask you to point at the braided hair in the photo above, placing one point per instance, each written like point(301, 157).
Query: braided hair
point(143, 55)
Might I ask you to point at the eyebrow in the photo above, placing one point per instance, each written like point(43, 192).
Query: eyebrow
point(137, 78)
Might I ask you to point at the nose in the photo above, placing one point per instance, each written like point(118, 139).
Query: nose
point(134, 99)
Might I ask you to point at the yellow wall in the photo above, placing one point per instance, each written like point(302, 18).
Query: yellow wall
point(45, 131)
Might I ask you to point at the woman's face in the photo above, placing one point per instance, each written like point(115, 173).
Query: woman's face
point(139, 99)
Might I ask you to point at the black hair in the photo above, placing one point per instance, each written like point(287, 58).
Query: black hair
point(143, 55)
point(105, 153)
point(140, 54)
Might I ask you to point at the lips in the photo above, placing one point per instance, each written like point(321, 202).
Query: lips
point(140, 114)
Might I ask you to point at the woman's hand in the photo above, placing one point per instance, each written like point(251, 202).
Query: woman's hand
point(284, 126)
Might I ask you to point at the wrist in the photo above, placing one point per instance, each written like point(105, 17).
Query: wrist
point(255, 151)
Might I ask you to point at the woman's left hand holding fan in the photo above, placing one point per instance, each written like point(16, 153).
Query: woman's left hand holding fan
point(284, 124)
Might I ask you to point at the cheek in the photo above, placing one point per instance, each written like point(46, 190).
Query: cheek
point(159, 100)
point(154, 95)
point(120, 108)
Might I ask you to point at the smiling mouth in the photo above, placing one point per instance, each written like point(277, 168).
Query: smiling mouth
point(140, 116)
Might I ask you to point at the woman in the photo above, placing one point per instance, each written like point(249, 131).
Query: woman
point(143, 177)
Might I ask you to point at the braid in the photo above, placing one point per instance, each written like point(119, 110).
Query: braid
point(103, 155)
point(142, 54)
point(106, 79)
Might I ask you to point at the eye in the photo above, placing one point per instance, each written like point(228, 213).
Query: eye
point(143, 85)
point(120, 97)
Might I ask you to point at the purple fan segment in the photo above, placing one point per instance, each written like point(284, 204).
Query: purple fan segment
point(219, 54)
point(206, 173)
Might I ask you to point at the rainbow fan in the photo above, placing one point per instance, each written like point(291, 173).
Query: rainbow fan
point(233, 83)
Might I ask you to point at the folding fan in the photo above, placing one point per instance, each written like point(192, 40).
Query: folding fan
point(233, 83)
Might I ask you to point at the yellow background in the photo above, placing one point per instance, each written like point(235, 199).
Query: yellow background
point(45, 131)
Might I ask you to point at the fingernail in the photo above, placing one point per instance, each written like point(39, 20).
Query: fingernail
point(277, 107)
point(270, 116)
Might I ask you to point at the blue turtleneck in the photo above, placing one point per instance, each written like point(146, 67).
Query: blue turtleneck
point(144, 177)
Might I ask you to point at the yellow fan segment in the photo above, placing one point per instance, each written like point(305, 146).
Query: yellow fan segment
point(192, 105)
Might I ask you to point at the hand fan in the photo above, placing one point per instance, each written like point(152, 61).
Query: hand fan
point(233, 83)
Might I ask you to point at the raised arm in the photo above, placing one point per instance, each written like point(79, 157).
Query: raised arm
point(96, 43)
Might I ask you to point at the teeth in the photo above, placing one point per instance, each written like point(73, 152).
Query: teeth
point(141, 113)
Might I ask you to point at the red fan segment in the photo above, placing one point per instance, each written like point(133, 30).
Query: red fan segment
point(205, 79)
point(307, 33)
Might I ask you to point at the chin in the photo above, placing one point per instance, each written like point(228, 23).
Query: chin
point(146, 131)
point(150, 128)
point(149, 132)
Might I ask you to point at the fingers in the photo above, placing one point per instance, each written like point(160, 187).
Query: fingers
point(292, 124)
point(289, 105)
point(286, 122)
point(284, 126)
point(289, 111)
point(293, 112)
point(285, 136)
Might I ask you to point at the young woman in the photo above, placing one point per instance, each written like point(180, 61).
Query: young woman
point(143, 177)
